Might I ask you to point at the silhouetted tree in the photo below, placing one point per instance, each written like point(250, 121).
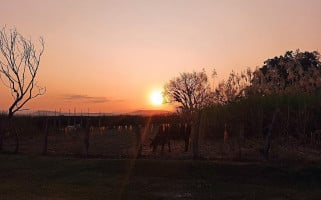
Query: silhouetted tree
point(192, 92)
point(19, 64)
point(294, 72)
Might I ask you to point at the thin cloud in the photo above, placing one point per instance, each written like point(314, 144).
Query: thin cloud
point(85, 98)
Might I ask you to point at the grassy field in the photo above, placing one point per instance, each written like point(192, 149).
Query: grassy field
point(122, 144)
point(25, 177)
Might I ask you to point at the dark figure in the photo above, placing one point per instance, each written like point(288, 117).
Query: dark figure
point(168, 132)
point(161, 138)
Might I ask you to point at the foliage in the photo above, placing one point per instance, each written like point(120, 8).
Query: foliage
point(299, 115)
point(294, 72)
point(233, 89)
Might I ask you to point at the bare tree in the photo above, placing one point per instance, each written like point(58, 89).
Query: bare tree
point(192, 92)
point(19, 64)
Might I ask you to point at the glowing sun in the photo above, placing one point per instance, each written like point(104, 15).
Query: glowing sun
point(156, 98)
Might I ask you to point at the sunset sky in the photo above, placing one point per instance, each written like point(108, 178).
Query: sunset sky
point(109, 56)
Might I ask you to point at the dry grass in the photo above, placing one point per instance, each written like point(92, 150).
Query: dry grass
point(122, 144)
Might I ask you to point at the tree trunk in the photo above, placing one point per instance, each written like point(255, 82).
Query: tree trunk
point(196, 135)
point(195, 143)
point(11, 129)
point(268, 136)
point(240, 140)
point(3, 130)
point(15, 131)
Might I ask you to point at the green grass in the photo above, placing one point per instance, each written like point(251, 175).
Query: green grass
point(23, 177)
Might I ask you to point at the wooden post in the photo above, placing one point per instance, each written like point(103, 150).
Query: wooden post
point(74, 117)
point(138, 134)
point(59, 120)
point(86, 138)
point(45, 144)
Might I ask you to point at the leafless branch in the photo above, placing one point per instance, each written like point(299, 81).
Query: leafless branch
point(19, 64)
point(191, 90)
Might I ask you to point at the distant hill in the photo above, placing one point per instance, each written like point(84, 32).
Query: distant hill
point(137, 112)
point(150, 112)
point(55, 113)
point(44, 113)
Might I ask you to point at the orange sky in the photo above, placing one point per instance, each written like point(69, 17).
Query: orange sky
point(108, 56)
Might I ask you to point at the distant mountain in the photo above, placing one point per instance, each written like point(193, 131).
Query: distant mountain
point(55, 113)
point(44, 113)
point(150, 112)
point(137, 112)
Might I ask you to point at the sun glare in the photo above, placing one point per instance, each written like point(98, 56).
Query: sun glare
point(156, 98)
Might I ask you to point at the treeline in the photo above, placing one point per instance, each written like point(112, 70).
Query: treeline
point(289, 84)
point(298, 116)
point(280, 98)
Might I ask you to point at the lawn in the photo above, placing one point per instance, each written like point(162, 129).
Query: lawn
point(25, 177)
